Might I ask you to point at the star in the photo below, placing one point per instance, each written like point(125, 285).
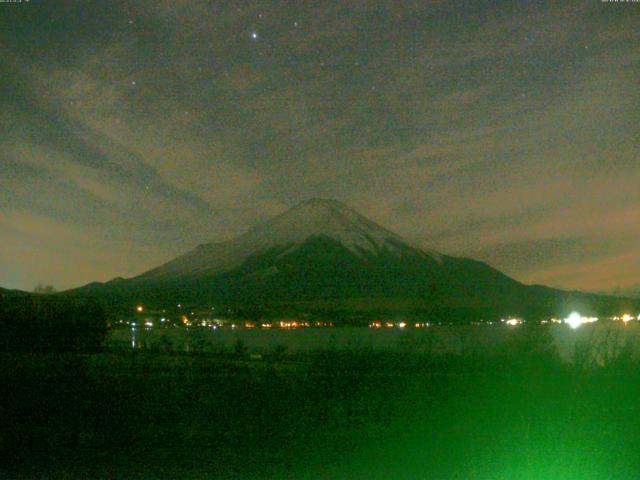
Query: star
point(254, 35)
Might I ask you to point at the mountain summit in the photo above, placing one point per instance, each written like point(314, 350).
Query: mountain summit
point(313, 218)
point(322, 255)
point(324, 217)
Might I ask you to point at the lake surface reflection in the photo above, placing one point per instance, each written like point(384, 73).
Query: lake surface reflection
point(602, 341)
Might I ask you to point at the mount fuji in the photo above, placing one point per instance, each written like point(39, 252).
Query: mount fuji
point(321, 255)
point(311, 220)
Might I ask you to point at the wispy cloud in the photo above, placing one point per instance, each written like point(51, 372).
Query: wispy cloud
point(501, 131)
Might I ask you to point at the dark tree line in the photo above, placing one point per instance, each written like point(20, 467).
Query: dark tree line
point(46, 289)
point(50, 323)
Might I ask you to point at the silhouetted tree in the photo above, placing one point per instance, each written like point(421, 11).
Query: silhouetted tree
point(51, 324)
point(45, 289)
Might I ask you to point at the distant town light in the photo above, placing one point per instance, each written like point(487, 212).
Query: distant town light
point(512, 321)
point(139, 308)
point(575, 320)
point(626, 318)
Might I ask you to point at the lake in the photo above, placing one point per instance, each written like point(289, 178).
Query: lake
point(601, 340)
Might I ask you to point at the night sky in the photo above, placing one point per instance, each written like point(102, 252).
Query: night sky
point(131, 131)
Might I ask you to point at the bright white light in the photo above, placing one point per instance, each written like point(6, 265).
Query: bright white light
point(575, 320)
point(139, 308)
point(512, 321)
point(626, 318)
point(148, 324)
point(402, 324)
point(254, 35)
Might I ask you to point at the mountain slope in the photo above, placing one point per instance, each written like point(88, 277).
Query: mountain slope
point(316, 217)
point(12, 293)
point(322, 254)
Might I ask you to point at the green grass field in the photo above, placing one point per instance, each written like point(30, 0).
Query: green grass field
point(520, 413)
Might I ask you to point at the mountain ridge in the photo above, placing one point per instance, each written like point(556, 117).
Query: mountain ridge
point(312, 217)
point(323, 254)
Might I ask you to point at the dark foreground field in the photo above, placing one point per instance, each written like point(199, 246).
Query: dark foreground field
point(517, 414)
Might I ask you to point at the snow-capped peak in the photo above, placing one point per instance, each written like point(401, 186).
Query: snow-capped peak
point(329, 218)
point(315, 217)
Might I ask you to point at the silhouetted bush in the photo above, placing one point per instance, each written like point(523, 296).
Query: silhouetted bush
point(38, 323)
point(609, 348)
point(532, 343)
point(239, 348)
